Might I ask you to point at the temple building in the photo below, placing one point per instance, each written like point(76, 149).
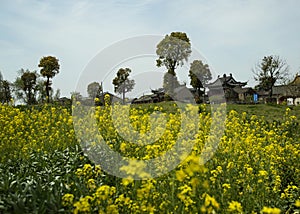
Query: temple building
point(233, 91)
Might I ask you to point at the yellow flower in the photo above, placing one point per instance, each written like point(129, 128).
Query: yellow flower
point(226, 187)
point(180, 175)
point(249, 170)
point(104, 192)
point(67, 199)
point(262, 173)
point(91, 184)
point(210, 201)
point(97, 170)
point(269, 210)
point(235, 206)
point(123, 147)
point(83, 205)
point(123, 201)
point(219, 169)
point(135, 167)
point(127, 181)
point(230, 165)
point(112, 209)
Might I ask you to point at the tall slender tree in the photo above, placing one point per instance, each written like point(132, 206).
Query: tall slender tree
point(49, 68)
point(122, 83)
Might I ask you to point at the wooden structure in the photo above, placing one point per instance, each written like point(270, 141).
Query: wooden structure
point(157, 95)
point(228, 88)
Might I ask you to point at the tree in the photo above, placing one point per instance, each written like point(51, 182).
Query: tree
point(56, 96)
point(5, 91)
point(122, 83)
point(94, 90)
point(269, 71)
point(49, 68)
point(25, 86)
point(40, 88)
point(200, 75)
point(29, 83)
point(173, 50)
point(1, 88)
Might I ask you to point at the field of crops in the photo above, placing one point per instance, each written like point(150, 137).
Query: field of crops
point(47, 166)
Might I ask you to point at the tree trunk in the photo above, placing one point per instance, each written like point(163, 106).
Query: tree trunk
point(29, 97)
point(47, 90)
point(124, 96)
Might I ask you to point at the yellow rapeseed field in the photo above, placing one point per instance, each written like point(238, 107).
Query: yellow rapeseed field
point(254, 169)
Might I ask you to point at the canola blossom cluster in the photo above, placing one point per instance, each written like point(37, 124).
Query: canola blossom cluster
point(47, 165)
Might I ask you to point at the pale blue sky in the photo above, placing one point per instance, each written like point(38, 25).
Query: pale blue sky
point(232, 35)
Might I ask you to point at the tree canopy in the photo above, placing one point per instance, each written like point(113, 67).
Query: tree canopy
point(199, 74)
point(25, 86)
point(94, 90)
point(268, 72)
point(173, 51)
point(121, 82)
point(49, 68)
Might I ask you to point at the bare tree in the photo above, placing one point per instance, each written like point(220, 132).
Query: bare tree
point(268, 72)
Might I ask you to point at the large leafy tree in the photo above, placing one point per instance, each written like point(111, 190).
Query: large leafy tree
point(200, 75)
point(25, 86)
point(268, 72)
point(121, 82)
point(49, 68)
point(173, 51)
point(94, 90)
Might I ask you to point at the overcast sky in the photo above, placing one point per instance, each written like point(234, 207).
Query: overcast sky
point(232, 35)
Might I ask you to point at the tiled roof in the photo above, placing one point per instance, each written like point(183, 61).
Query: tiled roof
point(287, 90)
point(296, 81)
point(226, 80)
point(240, 90)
